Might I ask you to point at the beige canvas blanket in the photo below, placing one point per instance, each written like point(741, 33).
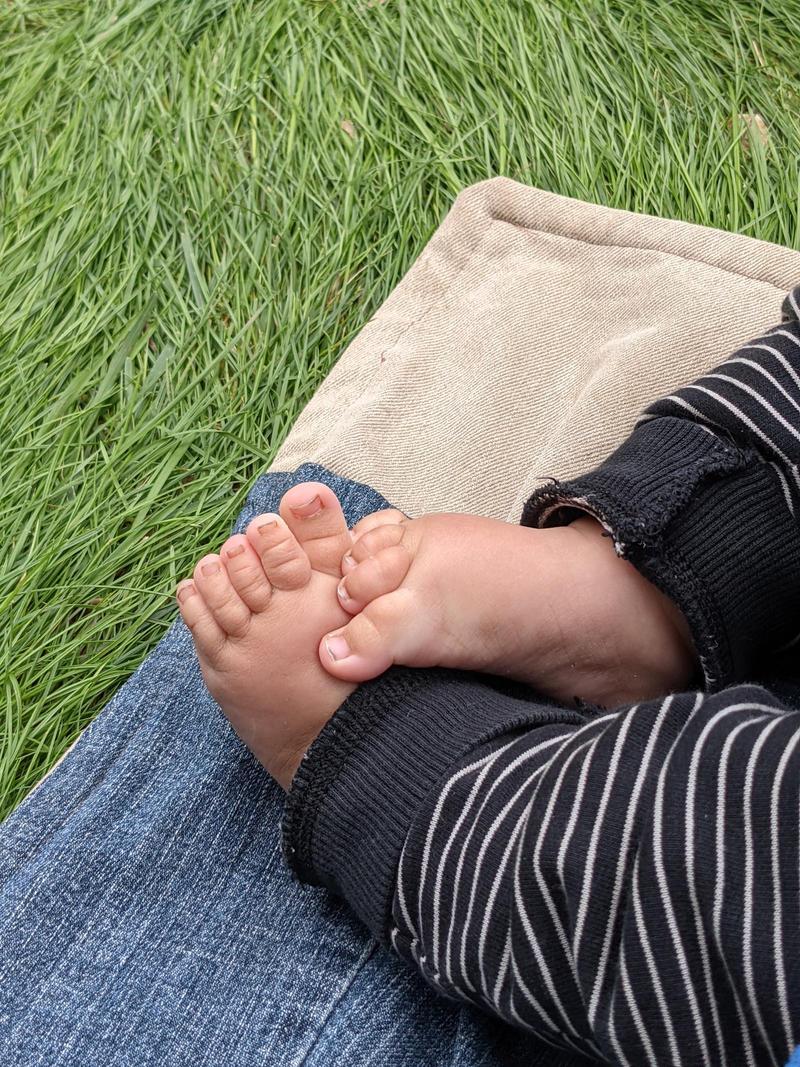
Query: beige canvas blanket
point(524, 341)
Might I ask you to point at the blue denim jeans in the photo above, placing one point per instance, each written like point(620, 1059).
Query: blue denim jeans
point(146, 916)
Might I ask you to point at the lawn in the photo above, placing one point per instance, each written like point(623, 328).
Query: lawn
point(202, 202)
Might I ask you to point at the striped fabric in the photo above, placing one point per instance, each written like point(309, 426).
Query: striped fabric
point(628, 888)
point(754, 397)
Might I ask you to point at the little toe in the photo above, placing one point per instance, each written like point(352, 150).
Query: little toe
point(370, 643)
point(378, 574)
point(372, 542)
point(314, 515)
point(225, 604)
point(208, 635)
point(285, 563)
point(246, 572)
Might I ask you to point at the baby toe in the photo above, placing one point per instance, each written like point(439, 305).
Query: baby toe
point(374, 577)
point(370, 543)
point(246, 573)
point(285, 563)
point(378, 518)
point(370, 643)
point(208, 636)
point(229, 610)
point(314, 515)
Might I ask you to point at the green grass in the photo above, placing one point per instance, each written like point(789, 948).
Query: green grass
point(189, 236)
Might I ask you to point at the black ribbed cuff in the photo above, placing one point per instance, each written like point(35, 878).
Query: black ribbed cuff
point(369, 772)
point(705, 521)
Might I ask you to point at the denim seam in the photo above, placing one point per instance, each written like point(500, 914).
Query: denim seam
point(334, 1006)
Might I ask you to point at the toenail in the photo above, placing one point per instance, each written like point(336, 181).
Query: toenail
point(341, 591)
point(307, 508)
point(183, 592)
point(210, 568)
point(266, 527)
point(234, 550)
point(337, 647)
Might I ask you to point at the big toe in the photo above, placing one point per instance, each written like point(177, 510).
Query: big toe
point(372, 641)
point(314, 515)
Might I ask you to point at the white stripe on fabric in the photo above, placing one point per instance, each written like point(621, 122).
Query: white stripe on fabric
point(747, 901)
point(719, 887)
point(505, 959)
point(529, 996)
point(573, 817)
point(689, 823)
point(745, 420)
point(781, 358)
point(636, 1015)
point(765, 373)
point(485, 763)
point(565, 1039)
point(627, 831)
point(655, 978)
point(777, 918)
point(465, 930)
point(666, 898)
point(612, 1036)
point(787, 493)
point(588, 870)
point(765, 404)
point(536, 948)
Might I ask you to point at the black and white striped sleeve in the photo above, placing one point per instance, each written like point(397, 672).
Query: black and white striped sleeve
point(623, 885)
point(627, 888)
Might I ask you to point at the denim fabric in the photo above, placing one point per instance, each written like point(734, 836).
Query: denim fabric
point(146, 917)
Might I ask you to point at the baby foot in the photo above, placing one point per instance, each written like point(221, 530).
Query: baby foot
point(554, 608)
point(256, 612)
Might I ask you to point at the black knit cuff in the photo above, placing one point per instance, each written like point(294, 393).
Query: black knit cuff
point(369, 772)
point(705, 521)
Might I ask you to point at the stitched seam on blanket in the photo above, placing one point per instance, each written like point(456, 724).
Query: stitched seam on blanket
point(640, 248)
point(470, 258)
point(434, 302)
